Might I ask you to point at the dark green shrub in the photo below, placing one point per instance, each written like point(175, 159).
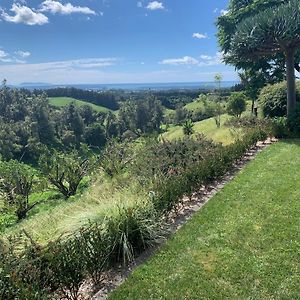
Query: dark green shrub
point(168, 158)
point(279, 127)
point(272, 99)
point(171, 190)
point(133, 230)
point(248, 122)
point(293, 122)
point(16, 185)
point(96, 246)
point(66, 170)
point(116, 157)
point(236, 104)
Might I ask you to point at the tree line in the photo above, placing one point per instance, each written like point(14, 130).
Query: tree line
point(28, 124)
point(105, 99)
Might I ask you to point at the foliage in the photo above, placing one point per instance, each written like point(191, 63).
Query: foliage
point(95, 135)
point(60, 267)
point(279, 127)
point(247, 122)
point(188, 127)
point(293, 122)
point(171, 190)
point(257, 73)
point(266, 34)
point(141, 117)
point(16, 185)
point(116, 157)
point(159, 160)
point(65, 171)
point(272, 100)
point(236, 104)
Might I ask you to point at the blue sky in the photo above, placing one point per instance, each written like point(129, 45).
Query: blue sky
point(110, 41)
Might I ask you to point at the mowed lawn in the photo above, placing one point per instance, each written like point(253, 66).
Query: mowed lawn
point(244, 244)
point(64, 101)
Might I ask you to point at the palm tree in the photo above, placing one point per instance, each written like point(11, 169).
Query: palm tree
point(188, 127)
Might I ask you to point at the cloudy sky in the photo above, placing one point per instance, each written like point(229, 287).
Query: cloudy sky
point(110, 41)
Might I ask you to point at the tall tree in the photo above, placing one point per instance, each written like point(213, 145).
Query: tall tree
point(271, 32)
point(265, 69)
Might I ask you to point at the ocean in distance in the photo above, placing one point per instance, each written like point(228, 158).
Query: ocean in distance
point(134, 86)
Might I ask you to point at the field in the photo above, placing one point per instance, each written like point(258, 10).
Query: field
point(208, 127)
point(244, 244)
point(63, 101)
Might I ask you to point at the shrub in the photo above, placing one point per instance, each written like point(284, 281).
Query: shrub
point(160, 160)
point(116, 157)
point(279, 127)
point(132, 230)
point(293, 122)
point(272, 99)
point(16, 185)
point(188, 127)
point(171, 190)
point(65, 171)
point(236, 104)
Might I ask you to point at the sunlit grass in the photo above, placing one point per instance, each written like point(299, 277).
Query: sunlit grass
point(66, 216)
point(64, 101)
point(207, 127)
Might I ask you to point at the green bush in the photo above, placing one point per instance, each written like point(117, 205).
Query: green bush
point(273, 99)
point(171, 190)
point(236, 104)
point(293, 122)
point(279, 127)
point(159, 160)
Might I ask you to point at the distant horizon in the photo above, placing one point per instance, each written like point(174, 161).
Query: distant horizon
point(130, 86)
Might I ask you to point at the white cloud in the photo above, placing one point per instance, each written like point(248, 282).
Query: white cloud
point(202, 61)
point(224, 12)
point(3, 55)
point(56, 7)
point(139, 4)
point(25, 15)
point(208, 60)
point(23, 54)
point(155, 5)
point(216, 10)
point(186, 60)
point(199, 36)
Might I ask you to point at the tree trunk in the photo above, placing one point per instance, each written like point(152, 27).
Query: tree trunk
point(291, 81)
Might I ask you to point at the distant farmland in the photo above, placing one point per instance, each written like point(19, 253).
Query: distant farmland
point(63, 101)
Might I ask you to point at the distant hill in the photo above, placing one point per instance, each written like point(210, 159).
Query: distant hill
point(64, 101)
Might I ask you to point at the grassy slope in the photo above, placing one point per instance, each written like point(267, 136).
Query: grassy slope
point(208, 128)
point(244, 244)
point(66, 216)
point(63, 101)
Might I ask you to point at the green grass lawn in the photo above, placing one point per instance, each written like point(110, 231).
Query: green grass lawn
point(63, 101)
point(244, 244)
point(208, 128)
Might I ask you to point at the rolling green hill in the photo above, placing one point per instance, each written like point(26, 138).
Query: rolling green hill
point(63, 101)
point(208, 128)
